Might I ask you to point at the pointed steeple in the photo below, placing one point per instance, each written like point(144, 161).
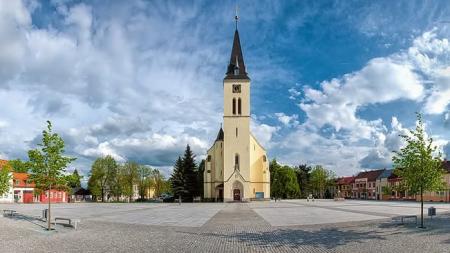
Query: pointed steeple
point(220, 134)
point(236, 68)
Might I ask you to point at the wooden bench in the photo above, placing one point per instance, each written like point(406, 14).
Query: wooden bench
point(10, 213)
point(72, 222)
point(402, 218)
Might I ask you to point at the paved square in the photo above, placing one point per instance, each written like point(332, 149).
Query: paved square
point(286, 226)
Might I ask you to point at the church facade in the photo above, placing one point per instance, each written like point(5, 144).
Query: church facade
point(236, 167)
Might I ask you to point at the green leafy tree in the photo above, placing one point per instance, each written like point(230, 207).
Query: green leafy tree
point(386, 190)
point(158, 182)
point(129, 177)
point(19, 166)
point(144, 180)
point(321, 179)
point(284, 181)
point(104, 173)
point(48, 164)
point(5, 178)
point(419, 163)
point(303, 173)
point(74, 180)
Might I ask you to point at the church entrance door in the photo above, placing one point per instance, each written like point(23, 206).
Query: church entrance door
point(237, 195)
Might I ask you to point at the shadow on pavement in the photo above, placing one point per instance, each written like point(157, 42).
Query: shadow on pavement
point(32, 219)
point(324, 238)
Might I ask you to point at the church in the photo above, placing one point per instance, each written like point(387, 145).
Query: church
point(236, 167)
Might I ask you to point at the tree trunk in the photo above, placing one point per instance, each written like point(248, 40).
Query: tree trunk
point(421, 208)
point(103, 195)
point(49, 224)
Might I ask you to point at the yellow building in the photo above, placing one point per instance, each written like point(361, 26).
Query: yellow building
point(237, 168)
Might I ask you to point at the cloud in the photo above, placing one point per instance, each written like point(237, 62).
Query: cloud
point(447, 150)
point(286, 119)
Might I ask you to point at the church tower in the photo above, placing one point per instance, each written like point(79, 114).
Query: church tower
point(236, 119)
point(236, 168)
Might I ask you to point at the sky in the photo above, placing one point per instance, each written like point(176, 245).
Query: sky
point(333, 83)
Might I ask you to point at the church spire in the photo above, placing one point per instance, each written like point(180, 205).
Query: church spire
point(236, 67)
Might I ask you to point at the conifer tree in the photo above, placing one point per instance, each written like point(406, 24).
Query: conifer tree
point(177, 179)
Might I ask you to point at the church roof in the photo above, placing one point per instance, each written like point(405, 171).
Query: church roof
point(236, 67)
point(220, 135)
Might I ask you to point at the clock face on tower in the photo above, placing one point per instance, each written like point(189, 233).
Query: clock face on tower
point(236, 88)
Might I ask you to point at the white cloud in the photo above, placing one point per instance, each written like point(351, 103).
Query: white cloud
point(263, 133)
point(286, 119)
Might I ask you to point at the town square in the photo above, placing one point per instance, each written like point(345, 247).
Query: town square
point(286, 226)
point(232, 126)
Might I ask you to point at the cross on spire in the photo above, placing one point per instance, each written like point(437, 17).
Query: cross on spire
point(236, 17)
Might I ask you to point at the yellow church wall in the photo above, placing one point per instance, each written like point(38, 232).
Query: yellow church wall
point(215, 167)
point(259, 168)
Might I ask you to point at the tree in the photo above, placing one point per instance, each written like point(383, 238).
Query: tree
point(177, 179)
point(303, 173)
point(129, 176)
point(190, 174)
point(200, 171)
point(144, 180)
point(74, 180)
point(158, 182)
point(419, 163)
point(5, 177)
point(19, 166)
point(103, 177)
point(283, 181)
point(48, 164)
point(321, 179)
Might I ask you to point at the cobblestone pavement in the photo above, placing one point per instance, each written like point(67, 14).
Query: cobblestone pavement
point(236, 227)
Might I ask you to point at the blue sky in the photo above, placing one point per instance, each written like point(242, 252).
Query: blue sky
point(333, 82)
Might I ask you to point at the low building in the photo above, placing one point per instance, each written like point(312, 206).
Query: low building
point(25, 192)
point(397, 191)
point(79, 194)
point(440, 196)
point(8, 197)
point(364, 186)
point(23, 188)
point(382, 185)
point(344, 187)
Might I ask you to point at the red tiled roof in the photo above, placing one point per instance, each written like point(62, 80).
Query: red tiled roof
point(345, 180)
point(371, 175)
point(20, 180)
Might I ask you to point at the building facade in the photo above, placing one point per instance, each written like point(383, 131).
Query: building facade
point(237, 168)
point(344, 186)
point(364, 186)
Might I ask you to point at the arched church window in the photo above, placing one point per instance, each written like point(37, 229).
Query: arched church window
point(234, 106)
point(236, 161)
point(264, 158)
point(209, 158)
point(239, 106)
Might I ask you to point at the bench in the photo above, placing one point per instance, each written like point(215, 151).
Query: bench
point(402, 218)
point(10, 213)
point(72, 222)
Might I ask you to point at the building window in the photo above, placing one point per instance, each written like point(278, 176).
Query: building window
point(236, 161)
point(209, 158)
point(234, 106)
point(264, 158)
point(239, 106)
point(236, 132)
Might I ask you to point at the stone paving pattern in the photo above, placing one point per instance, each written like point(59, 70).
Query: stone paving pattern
point(287, 226)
